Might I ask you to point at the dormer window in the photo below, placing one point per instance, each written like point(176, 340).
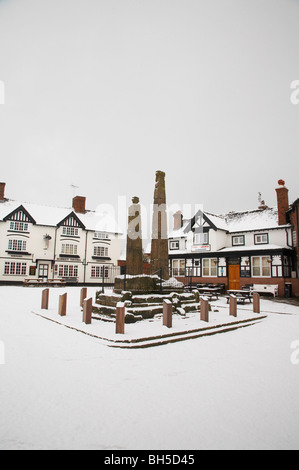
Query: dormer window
point(101, 235)
point(238, 240)
point(201, 238)
point(18, 227)
point(262, 239)
point(70, 231)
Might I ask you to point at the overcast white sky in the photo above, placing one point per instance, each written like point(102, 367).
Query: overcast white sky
point(102, 93)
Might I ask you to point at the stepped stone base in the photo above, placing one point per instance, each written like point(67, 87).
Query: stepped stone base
point(144, 306)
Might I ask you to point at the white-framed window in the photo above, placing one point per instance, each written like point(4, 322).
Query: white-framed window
point(17, 245)
point(19, 226)
point(99, 272)
point(294, 238)
point(70, 231)
point(101, 235)
point(100, 251)
point(174, 244)
point(261, 239)
point(67, 270)
point(238, 240)
point(209, 267)
point(69, 249)
point(12, 268)
point(261, 266)
point(178, 267)
point(201, 238)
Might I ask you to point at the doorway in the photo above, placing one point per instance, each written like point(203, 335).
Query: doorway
point(234, 277)
point(43, 272)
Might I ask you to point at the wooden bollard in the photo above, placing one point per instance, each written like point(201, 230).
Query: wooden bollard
point(62, 305)
point(167, 313)
point(45, 299)
point(87, 311)
point(233, 305)
point(256, 303)
point(204, 309)
point(83, 295)
point(120, 318)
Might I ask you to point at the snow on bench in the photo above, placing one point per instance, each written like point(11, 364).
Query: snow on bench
point(265, 289)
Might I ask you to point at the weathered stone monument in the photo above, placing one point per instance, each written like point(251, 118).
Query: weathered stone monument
point(159, 247)
point(134, 258)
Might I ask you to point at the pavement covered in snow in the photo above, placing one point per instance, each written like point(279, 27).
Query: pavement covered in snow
point(63, 389)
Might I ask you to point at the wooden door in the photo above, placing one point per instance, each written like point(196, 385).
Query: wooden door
point(43, 272)
point(234, 277)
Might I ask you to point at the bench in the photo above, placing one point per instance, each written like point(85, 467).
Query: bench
point(265, 289)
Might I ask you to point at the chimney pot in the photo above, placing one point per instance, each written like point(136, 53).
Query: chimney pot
point(79, 204)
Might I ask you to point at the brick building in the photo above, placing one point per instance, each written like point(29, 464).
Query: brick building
point(239, 248)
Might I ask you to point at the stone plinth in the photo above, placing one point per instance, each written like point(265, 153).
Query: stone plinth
point(141, 284)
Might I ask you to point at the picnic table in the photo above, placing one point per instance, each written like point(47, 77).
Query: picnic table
point(210, 292)
point(242, 295)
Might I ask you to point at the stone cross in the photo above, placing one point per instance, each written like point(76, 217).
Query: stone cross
point(159, 248)
point(134, 260)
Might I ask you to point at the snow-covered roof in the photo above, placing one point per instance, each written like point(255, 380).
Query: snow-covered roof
point(234, 222)
point(250, 248)
point(52, 216)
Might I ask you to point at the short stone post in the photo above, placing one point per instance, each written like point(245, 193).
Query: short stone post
point(45, 299)
point(120, 318)
point(87, 311)
point(83, 295)
point(62, 305)
point(233, 305)
point(204, 309)
point(256, 303)
point(167, 313)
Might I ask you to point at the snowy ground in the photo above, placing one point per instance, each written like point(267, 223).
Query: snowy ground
point(61, 389)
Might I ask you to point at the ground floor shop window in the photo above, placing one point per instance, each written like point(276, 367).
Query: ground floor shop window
point(209, 267)
point(15, 269)
point(100, 272)
point(178, 267)
point(261, 266)
point(67, 270)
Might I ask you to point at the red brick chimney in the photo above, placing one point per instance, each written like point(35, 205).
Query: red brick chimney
point(177, 220)
point(2, 191)
point(79, 204)
point(282, 202)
